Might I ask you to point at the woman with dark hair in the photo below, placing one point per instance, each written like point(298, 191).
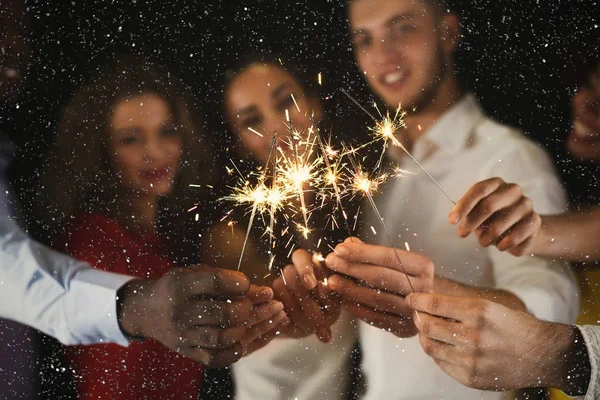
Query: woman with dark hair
point(116, 191)
point(310, 361)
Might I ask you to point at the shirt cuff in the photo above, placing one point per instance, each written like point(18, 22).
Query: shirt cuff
point(542, 304)
point(91, 307)
point(592, 342)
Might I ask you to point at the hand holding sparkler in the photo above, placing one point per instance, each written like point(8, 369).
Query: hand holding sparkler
point(211, 315)
point(310, 308)
point(373, 283)
point(498, 214)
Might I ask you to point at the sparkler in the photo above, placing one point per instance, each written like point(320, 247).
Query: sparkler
point(385, 129)
point(273, 203)
point(261, 198)
point(299, 170)
point(332, 178)
point(361, 183)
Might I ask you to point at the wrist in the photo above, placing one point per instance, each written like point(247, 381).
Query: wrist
point(573, 370)
point(131, 309)
point(543, 239)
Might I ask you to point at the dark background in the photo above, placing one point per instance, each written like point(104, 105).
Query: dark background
point(518, 56)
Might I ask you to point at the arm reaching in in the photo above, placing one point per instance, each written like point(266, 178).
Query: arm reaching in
point(487, 346)
point(498, 214)
point(76, 304)
point(574, 235)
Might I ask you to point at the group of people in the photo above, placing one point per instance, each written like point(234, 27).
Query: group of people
point(483, 305)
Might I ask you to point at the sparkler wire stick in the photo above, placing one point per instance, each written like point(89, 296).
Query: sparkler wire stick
point(336, 189)
point(380, 218)
point(397, 143)
point(331, 172)
point(255, 205)
point(299, 183)
point(272, 239)
point(252, 214)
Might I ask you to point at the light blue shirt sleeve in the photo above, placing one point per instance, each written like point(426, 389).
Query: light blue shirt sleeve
point(56, 294)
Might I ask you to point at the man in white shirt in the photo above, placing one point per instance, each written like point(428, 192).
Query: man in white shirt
point(405, 48)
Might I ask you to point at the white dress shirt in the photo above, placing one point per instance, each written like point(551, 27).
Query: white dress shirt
point(462, 148)
point(56, 294)
point(303, 369)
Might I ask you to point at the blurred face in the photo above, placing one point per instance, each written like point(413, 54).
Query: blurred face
point(584, 141)
point(257, 98)
point(15, 49)
point(398, 45)
point(144, 145)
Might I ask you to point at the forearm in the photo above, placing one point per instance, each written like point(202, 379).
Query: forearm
point(56, 294)
point(506, 298)
point(574, 235)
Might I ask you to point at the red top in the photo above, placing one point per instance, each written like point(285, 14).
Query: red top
point(144, 370)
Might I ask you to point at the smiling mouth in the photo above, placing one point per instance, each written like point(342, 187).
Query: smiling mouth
point(393, 79)
point(156, 174)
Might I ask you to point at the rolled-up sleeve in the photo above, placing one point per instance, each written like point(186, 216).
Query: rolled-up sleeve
point(56, 294)
point(547, 287)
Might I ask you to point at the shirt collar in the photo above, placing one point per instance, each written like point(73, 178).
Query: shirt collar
point(452, 131)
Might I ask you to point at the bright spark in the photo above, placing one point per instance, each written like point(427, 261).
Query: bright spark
point(255, 131)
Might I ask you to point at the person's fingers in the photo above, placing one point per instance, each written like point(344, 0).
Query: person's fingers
point(376, 299)
point(505, 196)
point(302, 324)
point(213, 337)
point(522, 233)
point(498, 224)
point(259, 342)
point(318, 262)
point(302, 261)
point(313, 317)
point(401, 327)
point(523, 249)
point(388, 279)
point(264, 327)
point(285, 295)
point(474, 195)
point(439, 329)
point(328, 299)
point(412, 263)
point(352, 239)
point(440, 351)
point(265, 311)
point(440, 305)
point(202, 280)
point(217, 312)
point(260, 294)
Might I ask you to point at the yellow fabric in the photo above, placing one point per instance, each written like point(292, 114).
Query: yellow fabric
point(589, 284)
